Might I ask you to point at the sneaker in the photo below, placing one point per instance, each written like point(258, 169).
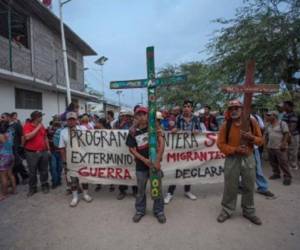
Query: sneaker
point(137, 217)
point(121, 196)
point(274, 177)
point(161, 218)
point(223, 216)
point(31, 192)
point(87, 198)
point(266, 193)
point(287, 181)
point(53, 186)
point(190, 196)
point(254, 219)
point(74, 202)
point(168, 198)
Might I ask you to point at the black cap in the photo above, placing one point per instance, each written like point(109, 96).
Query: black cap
point(36, 114)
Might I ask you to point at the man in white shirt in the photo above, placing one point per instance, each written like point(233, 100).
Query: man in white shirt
point(63, 142)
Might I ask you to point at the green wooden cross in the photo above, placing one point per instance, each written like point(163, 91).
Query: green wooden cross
point(151, 83)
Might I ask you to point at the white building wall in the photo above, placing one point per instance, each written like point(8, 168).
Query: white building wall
point(53, 102)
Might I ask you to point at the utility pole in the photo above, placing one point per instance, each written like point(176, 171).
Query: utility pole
point(101, 61)
point(142, 99)
point(119, 92)
point(64, 49)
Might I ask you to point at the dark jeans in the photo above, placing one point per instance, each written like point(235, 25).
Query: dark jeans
point(124, 188)
point(56, 168)
point(171, 189)
point(18, 167)
point(37, 161)
point(140, 202)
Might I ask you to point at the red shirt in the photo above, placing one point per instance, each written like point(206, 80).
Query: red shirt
point(37, 143)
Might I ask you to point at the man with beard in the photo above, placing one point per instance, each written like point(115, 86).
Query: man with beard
point(239, 162)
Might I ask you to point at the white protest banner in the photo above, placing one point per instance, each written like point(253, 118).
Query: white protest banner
point(102, 157)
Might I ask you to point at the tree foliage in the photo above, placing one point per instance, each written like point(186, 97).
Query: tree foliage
point(264, 30)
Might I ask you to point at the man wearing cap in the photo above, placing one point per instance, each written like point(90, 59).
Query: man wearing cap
point(293, 122)
point(37, 152)
point(137, 141)
point(277, 136)
point(64, 139)
point(125, 121)
point(239, 162)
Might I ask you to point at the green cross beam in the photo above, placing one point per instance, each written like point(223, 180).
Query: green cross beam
point(151, 83)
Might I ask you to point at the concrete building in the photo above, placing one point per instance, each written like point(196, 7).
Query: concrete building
point(32, 74)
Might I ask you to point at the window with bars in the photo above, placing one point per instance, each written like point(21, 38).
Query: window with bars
point(19, 25)
point(27, 99)
point(72, 69)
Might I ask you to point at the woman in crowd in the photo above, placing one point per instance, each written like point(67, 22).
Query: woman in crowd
point(6, 159)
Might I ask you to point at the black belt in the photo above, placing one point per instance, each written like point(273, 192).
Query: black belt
point(35, 151)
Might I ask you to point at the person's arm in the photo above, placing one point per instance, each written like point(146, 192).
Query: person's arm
point(138, 156)
point(47, 144)
point(222, 144)
point(160, 149)
point(286, 135)
point(63, 155)
point(3, 138)
point(30, 135)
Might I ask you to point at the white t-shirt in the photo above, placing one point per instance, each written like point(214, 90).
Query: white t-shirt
point(260, 122)
point(64, 136)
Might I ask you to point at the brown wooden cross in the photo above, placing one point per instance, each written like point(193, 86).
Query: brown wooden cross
point(249, 88)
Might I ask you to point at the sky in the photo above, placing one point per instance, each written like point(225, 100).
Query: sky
point(122, 29)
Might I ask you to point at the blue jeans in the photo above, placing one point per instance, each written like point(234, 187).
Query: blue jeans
point(140, 202)
point(56, 168)
point(261, 181)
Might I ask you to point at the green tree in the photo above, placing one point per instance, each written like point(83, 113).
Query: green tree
point(264, 30)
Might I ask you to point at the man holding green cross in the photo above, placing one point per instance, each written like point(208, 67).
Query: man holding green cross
point(137, 141)
point(151, 138)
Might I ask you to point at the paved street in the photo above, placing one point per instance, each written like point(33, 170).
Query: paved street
point(47, 222)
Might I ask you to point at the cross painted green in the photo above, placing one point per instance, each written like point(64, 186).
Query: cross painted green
point(151, 83)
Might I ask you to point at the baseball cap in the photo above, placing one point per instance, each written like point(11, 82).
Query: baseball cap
point(141, 110)
point(72, 115)
point(235, 103)
point(159, 115)
point(273, 112)
point(36, 114)
point(126, 112)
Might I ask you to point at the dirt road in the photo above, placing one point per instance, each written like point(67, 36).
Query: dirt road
point(47, 222)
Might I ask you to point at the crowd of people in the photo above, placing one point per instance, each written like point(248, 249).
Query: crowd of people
point(31, 149)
